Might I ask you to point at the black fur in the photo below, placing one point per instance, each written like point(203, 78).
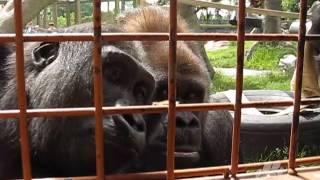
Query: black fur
point(202, 138)
point(60, 75)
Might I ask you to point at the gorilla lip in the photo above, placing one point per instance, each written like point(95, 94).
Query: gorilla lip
point(186, 154)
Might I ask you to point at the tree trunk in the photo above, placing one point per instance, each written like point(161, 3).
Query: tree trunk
point(30, 9)
point(186, 12)
point(55, 14)
point(77, 12)
point(272, 23)
point(123, 5)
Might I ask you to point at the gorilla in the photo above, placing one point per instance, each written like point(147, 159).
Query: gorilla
point(59, 75)
point(311, 67)
point(315, 29)
point(202, 138)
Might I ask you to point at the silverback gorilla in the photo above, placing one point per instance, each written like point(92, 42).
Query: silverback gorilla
point(202, 138)
point(60, 75)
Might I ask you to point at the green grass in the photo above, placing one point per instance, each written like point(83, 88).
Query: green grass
point(226, 57)
point(282, 153)
point(278, 80)
point(265, 57)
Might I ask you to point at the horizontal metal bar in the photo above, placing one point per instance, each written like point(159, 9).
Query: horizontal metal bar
point(59, 112)
point(56, 37)
point(205, 171)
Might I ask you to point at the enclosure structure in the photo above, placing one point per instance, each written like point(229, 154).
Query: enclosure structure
point(232, 170)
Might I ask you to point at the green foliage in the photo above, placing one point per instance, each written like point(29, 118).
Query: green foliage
point(276, 80)
point(223, 58)
point(267, 55)
point(86, 9)
point(290, 5)
point(293, 5)
point(283, 153)
point(222, 83)
point(226, 57)
point(62, 21)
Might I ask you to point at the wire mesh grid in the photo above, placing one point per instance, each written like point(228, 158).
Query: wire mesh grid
point(98, 110)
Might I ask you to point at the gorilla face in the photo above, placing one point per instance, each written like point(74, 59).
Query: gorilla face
point(192, 87)
point(188, 125)
point(61, 75)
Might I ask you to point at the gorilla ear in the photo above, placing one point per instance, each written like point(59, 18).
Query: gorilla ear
point(45, 54)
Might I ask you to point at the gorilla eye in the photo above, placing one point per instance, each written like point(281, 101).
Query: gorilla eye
point(113, 73)
point(164, 93)
point(191, 97)
point(161, 91)
point(140, 93)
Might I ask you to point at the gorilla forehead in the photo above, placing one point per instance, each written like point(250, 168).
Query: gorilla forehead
point(188, 63)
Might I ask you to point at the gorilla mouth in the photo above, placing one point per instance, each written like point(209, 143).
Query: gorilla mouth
point(180, 154)
point(189, 154)
point(122, 149)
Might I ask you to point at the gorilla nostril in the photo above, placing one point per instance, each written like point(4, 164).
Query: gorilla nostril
point(180, 122)
point(183, 122)
point(134, 123)
point(194, 123)
point(89, 132)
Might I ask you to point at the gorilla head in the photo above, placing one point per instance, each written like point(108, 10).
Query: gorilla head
point(61, 75)
point(192, 87)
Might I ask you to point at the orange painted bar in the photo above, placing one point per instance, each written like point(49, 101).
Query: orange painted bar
point(98, 91)
point(197, 172)
point(85, 111)
point(298, 85)
point(21, 93)
point(155, 37)
point(172, 79)
point(239, 88)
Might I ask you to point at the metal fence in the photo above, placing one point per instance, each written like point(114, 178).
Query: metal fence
point(98, 110)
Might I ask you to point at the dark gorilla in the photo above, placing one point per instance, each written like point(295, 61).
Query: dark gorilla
point(202, 138)
point(60, 75)
point(315, 28)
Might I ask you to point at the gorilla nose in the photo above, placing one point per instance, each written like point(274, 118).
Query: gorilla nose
point(128, 122)
point(133, 127)
point(187, 120)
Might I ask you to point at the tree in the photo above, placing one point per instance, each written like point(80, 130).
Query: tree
point(272, 23)
point(30, 9)
point(293, 5)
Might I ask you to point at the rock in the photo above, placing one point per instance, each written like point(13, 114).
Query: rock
point(287, 63)
point(246, 72)
point(216, 45)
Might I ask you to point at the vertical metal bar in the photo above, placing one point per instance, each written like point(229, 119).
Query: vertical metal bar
point(98, 96)
point(172, 90)
point(22, 101)
point(298, 85)
point(239, 86)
